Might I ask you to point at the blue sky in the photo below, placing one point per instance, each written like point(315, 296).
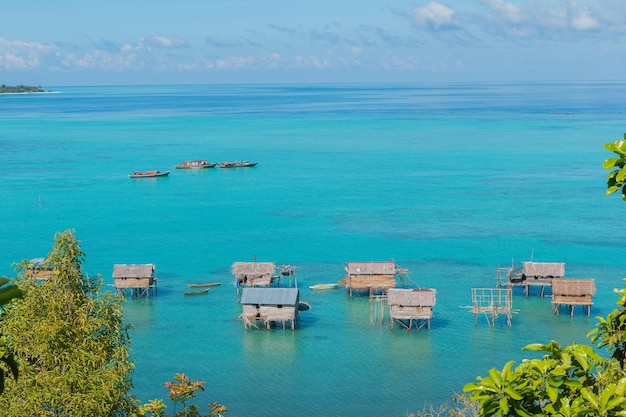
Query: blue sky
point(66, 42)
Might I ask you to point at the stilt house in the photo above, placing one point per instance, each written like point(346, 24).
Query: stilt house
point(538, 274)
point(573, 292)
point(253, 274)
point(136, 279)
point(371, 277)
point(267, 306)
point(492, 302)
point(409, 307)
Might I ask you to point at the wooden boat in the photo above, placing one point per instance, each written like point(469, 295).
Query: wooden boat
point(323, 286)
point(204, 291)
point(195, 164)
point(208, 284)
point(237, 164)
point(148, 174)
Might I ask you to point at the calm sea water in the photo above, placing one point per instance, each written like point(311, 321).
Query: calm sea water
point(450, 181)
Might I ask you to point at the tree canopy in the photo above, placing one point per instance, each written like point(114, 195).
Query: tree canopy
point(69, 340)
point(7, 89)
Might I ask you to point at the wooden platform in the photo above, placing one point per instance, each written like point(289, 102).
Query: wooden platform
point(571, 292)
point(492, 302)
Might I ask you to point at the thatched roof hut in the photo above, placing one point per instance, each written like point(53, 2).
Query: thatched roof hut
point(370, 276)
point(410, 306)
point(538, 270)
point(572, 292)
point(253, 274)
point(268, 306)
point(538, 274)
point(137, 278)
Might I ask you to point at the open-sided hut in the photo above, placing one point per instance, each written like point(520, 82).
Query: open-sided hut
point(536, 274)
point(267, 306)
point(370, 277)
point(492, 302)
point(253, 274)
point(573, 292)
point(137, 279)
point(410, 307)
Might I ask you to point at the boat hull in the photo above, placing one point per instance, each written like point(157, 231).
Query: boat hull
point(191, 293)
point(323, 286)
point(208, 284)
point(241, 164)
point(149, 174)
point(199, 164)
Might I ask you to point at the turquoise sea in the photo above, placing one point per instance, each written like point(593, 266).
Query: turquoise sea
point(449, 180)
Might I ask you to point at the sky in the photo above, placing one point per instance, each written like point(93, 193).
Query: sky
point(113, 42)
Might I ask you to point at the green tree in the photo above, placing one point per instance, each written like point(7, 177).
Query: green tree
point(70, 342)
point(616, 179)
point(570, 381)
point(8, 292)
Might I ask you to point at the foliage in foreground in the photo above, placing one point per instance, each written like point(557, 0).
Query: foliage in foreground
point(616, 179)
point(181, 390)
point(568, 381)
point(8, 292)
point(72, 347)
point(70, 342)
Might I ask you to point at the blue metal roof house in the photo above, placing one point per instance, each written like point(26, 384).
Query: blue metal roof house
point(267, 306)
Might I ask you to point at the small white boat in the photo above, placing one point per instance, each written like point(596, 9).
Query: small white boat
point(323, 286)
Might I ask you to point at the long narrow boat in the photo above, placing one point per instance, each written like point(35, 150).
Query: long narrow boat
point(204, 291)
point(323, 286)
point(195, 164)
point(148, 174)
point(236, 164)
point(208, 284)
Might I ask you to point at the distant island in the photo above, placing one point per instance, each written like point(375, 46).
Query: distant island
point(9, 89)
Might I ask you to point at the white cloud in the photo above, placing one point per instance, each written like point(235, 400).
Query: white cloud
point(20, 55)
point(508, 11)
point(310, 62)
point(272, 60)
point(434, 16)
point(165, 42)
point(583, 20)
point(563, 21)
point(234, 62)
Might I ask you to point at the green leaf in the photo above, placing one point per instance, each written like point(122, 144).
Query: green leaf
point(552, 392)
point(611, 190)
point(589, 397)
point(504, 405)
point(536, 347)
point(609, 163)
point(512, 393)
point(9, 293)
